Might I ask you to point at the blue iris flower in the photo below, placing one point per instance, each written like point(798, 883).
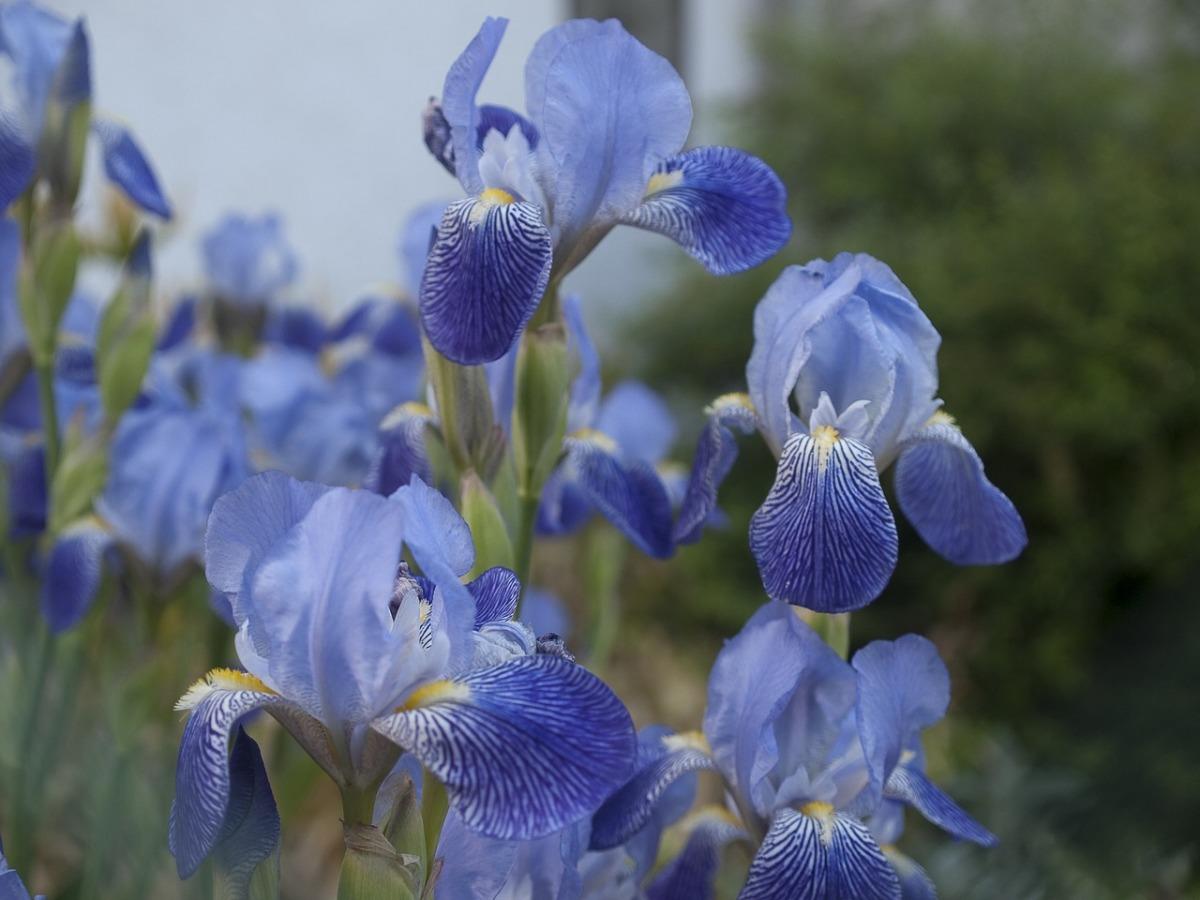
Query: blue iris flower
point(49, 60)
point(842, 383)
point(248, 261)
point(577, 864)
point(360, 658)
point(600, 146)
point(819, 757)
point(11, 885)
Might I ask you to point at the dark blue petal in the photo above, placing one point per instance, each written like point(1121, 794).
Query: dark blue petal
point(502, 119)
point(486, 274)
point(127, 167)
point(27, 491)
point(496, 592)
point(914, 882)
point(250, 833)
point(910, 785)
point(458, 101)
point(689, 876)
point(401, 452)
point(725, 207)
point(791, 863)
point(523, 748)
point(16, 158)
point(857, 868)
point(716, 451)
point(564, 506)
point(72, 576)
point(180, 325)
point(202, 774)
point(296, 327)
point(631, 806)
point(824, 538)
point(628, 493)
point(903, 687)
point(942, 489)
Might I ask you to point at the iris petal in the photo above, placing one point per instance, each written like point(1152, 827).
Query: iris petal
point(725, 207)
point(250, 833)
point(824, 538)
point(690, 875)
point(914, 881)
point(127, 167)
point(73, 572)
point(629, 493)
point(523, 748)
point(944, 492)
point(458, 100)
point(716, 451)
point(202, 775)
point(17, 153)
point(484, 278)
point(608, 110)
point(790, 864)
point(914, 788)
point(858, 870)
point(401, 453)
point(639, 420)
point(585, 389)
point(631, 806)
point(496, 592)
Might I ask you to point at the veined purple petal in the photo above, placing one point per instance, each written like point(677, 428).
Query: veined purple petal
point(629, 493)
point(127, 167)
point(202, 776)
point(725, 207)
point(716, 451)
point(485, 275)
point(496, 592)
point(608, 111)
point(250, 833)
point(401, 452)
point(941, 486)
point(903, 688)
point(523, 748)
point(689, 876)
point(72, 576)
point(914, 788)
point(630, 807)
point(824, 538)
point(458, 100)
point(858, 870)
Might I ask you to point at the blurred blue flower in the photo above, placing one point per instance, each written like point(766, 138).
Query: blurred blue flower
point(248, 261)
point(601, 147)
point(11, 885)
point(173, 455)
point(48, 64)
point(359, 659)
point(819, 757)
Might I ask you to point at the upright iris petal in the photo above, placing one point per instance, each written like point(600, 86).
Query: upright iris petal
point(722, 205)
point(824, 538)
point(73, 572)
point(944, 492)
point(486, 273)
point(127, 167)
point(458, 100)
point(716, 451)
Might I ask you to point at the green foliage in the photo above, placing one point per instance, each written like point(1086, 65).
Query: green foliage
point(1035, 180)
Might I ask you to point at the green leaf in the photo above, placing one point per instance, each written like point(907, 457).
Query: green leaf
point(372, 869)
point(80, 477)
point(125, 340)
point(47, 284)
point(479, 508)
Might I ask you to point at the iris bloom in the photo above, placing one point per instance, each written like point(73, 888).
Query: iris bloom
point(600, 145)
point(359, 659)
point(843, 382)
point(11, 885)
point(819, 757)
point(49, 60)
point(248, 261)
point(562, 866)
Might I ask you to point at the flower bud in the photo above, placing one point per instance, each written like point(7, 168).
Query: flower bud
point(543, 381)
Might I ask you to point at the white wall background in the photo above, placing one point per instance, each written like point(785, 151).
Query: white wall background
point(313, 109)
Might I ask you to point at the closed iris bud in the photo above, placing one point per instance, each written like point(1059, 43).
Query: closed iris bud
point(472, 436)
point(543, 381)
point(68, 118)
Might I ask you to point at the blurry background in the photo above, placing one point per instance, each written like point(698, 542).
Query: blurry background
point(1030, 169)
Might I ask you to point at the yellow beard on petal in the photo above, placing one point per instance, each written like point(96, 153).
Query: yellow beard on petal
point(221, 680)
point(661, 181)
point(442, 691)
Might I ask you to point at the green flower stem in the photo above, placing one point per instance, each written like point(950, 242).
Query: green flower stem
point(43, 368)
point(834, 628)
point(434, 804)
point(604, 561)
point(358, 804)
point(523, 545)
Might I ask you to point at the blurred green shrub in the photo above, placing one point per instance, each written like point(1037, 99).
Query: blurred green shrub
point(1032, 172)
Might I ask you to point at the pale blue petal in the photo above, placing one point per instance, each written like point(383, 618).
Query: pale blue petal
point(248, 260)
point(585, 389)
point(17, 158)
point(12, 329)
point(941, 486)
point(716, 451)
point(36, 40)
point(725, 207)
point(245, 524)
point(458, 100)
point(545, 614)
point(523, 748)
point(629, 493)
point(909, 784)
point(72, 575)
point(416, 239)
point(903, 688)
point(608, 110)
point(824, 537)
point(474, 866)
point(484, 278)
point(127, 167)
point(777, 696)
point(638, 419)
point(915, 884)
point(250, 833)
